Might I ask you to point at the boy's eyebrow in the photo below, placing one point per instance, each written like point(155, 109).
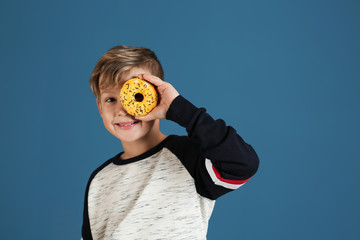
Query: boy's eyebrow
point(107, 91)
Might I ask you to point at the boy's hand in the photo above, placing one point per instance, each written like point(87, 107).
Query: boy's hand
point(167, 93)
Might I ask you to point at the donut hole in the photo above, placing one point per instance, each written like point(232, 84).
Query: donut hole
point(139, 97)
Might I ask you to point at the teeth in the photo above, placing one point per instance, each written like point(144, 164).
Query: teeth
point(127, 124)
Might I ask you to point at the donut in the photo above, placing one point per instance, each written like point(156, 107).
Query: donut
point(138, 97)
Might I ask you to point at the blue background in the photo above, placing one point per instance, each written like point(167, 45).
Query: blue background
point(285, 74)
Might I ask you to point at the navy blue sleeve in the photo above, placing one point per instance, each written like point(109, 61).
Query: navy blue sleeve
point(86, 230)
point(225, 161)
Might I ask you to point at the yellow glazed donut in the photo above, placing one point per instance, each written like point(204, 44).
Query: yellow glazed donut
point(138, 97)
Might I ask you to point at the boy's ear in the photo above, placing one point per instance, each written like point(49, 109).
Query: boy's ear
point(99, 105)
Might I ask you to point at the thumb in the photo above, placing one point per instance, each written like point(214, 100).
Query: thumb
point(143, 118)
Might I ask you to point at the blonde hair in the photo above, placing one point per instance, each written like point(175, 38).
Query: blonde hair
point(117, 61)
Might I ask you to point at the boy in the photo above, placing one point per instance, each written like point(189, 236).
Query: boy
point(159, 187)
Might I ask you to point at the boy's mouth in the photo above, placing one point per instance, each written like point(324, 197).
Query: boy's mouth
point(124, 124)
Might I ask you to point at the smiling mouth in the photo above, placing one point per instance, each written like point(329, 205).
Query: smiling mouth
point(128, 124)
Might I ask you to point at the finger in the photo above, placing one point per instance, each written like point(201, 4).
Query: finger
point(152, 79)
point(144, 118)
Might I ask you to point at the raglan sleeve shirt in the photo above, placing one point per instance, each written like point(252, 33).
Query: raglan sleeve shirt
point(225, 161)
point(211, 161)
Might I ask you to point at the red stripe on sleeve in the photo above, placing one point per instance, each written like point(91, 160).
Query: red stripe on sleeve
point(227, 180)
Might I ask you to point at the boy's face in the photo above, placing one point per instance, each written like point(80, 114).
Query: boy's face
point(115, 117)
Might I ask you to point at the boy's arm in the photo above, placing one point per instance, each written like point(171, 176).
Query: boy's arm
point(226, 161)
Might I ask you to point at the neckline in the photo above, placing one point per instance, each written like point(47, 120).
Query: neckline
point(118, 161)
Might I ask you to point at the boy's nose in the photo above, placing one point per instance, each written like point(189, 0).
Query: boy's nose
point(121, 111)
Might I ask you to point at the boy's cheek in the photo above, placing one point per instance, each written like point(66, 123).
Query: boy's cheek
point(99, 106)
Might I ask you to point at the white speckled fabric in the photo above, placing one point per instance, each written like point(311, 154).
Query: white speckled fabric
point(154, 198)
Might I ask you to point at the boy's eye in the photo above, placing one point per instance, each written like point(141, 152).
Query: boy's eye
point(110, 100)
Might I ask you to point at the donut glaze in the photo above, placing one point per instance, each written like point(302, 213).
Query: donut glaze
point(138, 97)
